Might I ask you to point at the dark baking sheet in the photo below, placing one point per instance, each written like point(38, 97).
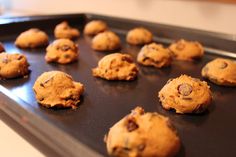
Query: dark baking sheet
point(80, 132)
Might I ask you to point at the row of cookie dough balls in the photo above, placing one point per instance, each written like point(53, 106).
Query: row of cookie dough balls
point(137, 134)
point(105, 40)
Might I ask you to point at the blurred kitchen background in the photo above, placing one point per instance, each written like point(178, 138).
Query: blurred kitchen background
point(212, 15)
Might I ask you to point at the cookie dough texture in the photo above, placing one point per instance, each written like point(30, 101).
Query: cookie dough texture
point(139, 36)
point(187, 50)
point(106, 41)
point(154, 55)
point(57, 89)
point(116, 66)
point(13, 65)
point(221, 72)
point(32, 38)
point(141, 134)
point(1, 47)
point(94, 27)
point(62, 51)
point(64, 30)
point(185, 95)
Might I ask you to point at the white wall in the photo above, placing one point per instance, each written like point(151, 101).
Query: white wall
point(195, 14)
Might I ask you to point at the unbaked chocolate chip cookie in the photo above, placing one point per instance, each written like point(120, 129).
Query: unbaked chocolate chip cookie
point(221, 72)
point(116, 66)
point(94, 27)
point(32, 38)
point(187, 50)
point(154, 55)
point(106, 41)
point(139, 36)
point(57, 89)
point(64, 30)
point(185, 95)
point(1, 47)
point(13, 65)
point(141, 134)
point(62, 51)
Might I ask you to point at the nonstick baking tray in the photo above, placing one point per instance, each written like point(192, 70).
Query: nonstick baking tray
point(80, 132)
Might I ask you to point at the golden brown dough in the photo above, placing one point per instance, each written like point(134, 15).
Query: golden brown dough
point(13, 65)
point(94, 27)
point(221, 72)
point(62, 51)
point(57, 89)
point(116, 66)
point(154, 55)
point(139, 36)
point(186, 95)
point(187, 50)
point(106, 41)
point(141, 134)
point(32, 38)
point(64, 30)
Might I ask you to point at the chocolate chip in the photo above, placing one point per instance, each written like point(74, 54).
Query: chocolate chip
point(223, 65)
point(66, 56)
point(126, 148)
point(131, 126)
point(114, 149)
point(19, 57)
point(41, 84)
point(65, 48)
point(127, 59)
point(185, 89)
point(144, 59)
point(186, 98)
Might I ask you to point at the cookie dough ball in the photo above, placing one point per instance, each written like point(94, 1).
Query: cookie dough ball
point(57, 89)
point(94, 27)
point(64, 30)
point(32, 38)
point(106, 41)
point(154, 55)
point(186, 95)
point(1, 47)
point(141, 134)
point(187, 50)
point(62, 51)
point(221, 72)
point(139, 36)
point(13, 65)
point(116, 66)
